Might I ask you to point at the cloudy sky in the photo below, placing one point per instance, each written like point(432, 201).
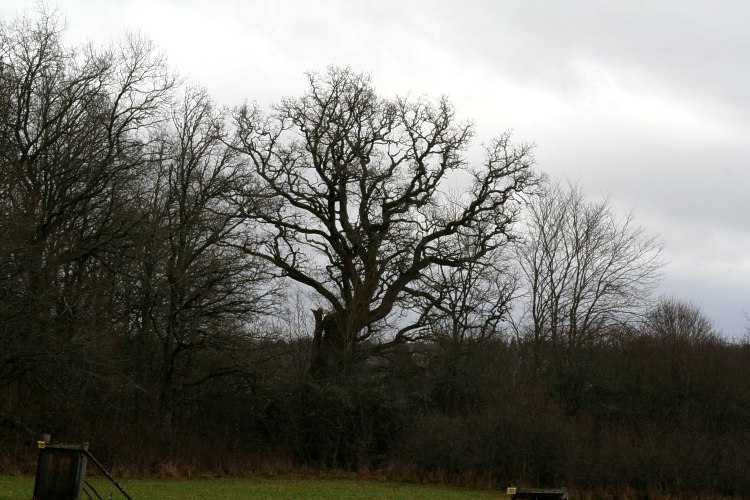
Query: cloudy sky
point(647, 102)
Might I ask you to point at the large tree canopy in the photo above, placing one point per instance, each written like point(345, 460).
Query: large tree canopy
point(360, 203)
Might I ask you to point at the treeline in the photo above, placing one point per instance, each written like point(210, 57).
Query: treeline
point(203, 290)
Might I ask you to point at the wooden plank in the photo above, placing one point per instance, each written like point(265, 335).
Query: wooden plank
point(538, 493)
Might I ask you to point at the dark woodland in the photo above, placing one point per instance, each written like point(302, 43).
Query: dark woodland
point(342, 281)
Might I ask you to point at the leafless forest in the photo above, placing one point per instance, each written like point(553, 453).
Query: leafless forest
point(337, 281)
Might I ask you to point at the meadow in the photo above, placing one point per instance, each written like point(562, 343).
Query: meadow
point(21, 487)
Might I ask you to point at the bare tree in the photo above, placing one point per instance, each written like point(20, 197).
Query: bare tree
point(585, 268)
point(72, 130)
point(192, 291)
point(678, 321)
point(355, 208)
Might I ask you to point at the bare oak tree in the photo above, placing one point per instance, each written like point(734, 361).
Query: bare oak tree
point(355, 207)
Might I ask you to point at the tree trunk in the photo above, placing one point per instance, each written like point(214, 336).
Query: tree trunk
point(333, 344)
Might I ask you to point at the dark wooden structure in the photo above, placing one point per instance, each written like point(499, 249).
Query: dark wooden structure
point(538, 493)
point(60, 472)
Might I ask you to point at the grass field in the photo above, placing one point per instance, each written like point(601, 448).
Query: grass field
point(21, 487)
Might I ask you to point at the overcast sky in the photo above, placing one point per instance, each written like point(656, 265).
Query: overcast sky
point(645, 101)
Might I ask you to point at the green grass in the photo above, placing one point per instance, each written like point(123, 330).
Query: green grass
point(21, 487)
